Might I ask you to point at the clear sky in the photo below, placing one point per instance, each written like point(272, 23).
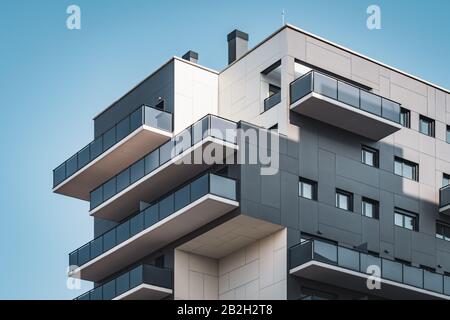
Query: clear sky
point(54, 80)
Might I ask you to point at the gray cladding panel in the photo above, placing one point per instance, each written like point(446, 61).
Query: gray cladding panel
point(160, 84)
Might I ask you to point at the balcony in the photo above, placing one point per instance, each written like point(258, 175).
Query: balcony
point(345, 106)
point(135, 135)
point(444, 200)
point(144, 282)
point(183, 211)
point(272, 101)
point(346, 268)
point(178, 160)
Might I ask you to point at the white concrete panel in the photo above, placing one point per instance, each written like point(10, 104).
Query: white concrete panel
point(211, 287)
point(244, 274)
point(196, 286)
point(409, 83)
point(410, 99)
point(196, 93)
point(365, 69)
point(327, 57)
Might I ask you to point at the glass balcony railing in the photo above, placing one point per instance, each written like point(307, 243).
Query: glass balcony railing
point(209, 126)
point(444, 196)
point(143, 115)
point(272, 101)
point(318, 82)
point(143, 274)
point(160, 209)
point(353, 260)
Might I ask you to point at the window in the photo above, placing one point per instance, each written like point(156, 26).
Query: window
point(271, 84)
point(369, 156)
point(307, 189)
point(274, 127)
point(406, 169)
point(160, 105)
point(405, 118)
point(273, 89)
point(426, 126)
point(405, 219)
point(445, 180)
point(369, 208)
point(344, 200)
point(448, 134)
point(159, 261)
point(443, 231)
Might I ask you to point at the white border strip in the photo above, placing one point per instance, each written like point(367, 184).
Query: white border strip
point(144, 286)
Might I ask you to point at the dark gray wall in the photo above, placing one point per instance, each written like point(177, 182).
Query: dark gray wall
point(159, 84)
point(332, 157)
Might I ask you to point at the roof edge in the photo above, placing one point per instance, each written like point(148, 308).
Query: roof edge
point(173, 58)
point(297, 29)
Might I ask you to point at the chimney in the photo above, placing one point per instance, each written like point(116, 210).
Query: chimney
point(191, 56)
point(237, 45)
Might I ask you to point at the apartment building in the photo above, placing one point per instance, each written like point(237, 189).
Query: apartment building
point(357, 208)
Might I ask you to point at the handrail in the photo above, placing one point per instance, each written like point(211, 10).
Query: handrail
point(187, 194)
point(355, 260)
point(365, 105)
point(161, 119)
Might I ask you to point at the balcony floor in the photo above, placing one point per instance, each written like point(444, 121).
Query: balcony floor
point(344, 278)
point(173, 227)
point(230, 236)
point(158, 182)
point(344, 116)
point(133, 147)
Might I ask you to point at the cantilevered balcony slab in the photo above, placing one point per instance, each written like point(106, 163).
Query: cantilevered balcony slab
point(207, 142)
point(161, 180)
point(205, 199)
point(144, 282)
point(120, 156)
point(444, 200)
point(342, 105)
point(136, 135)
point(230, 236)
point(346, 268)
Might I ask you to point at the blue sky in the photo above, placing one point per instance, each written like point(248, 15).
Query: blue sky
point(53, 81)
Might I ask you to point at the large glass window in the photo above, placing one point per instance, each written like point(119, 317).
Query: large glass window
point(406, 219)
point(369, 208)
point(271, 79)
point(370, 102)
point(448, 134)
point(426, 126)
point(445, 180)
point(307, 189)
point(406, 169)
point(369, 156)
point(442, 231)
point(405, 118)
point(344, 200)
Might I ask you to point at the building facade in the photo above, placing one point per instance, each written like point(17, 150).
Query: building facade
point(357, 208)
